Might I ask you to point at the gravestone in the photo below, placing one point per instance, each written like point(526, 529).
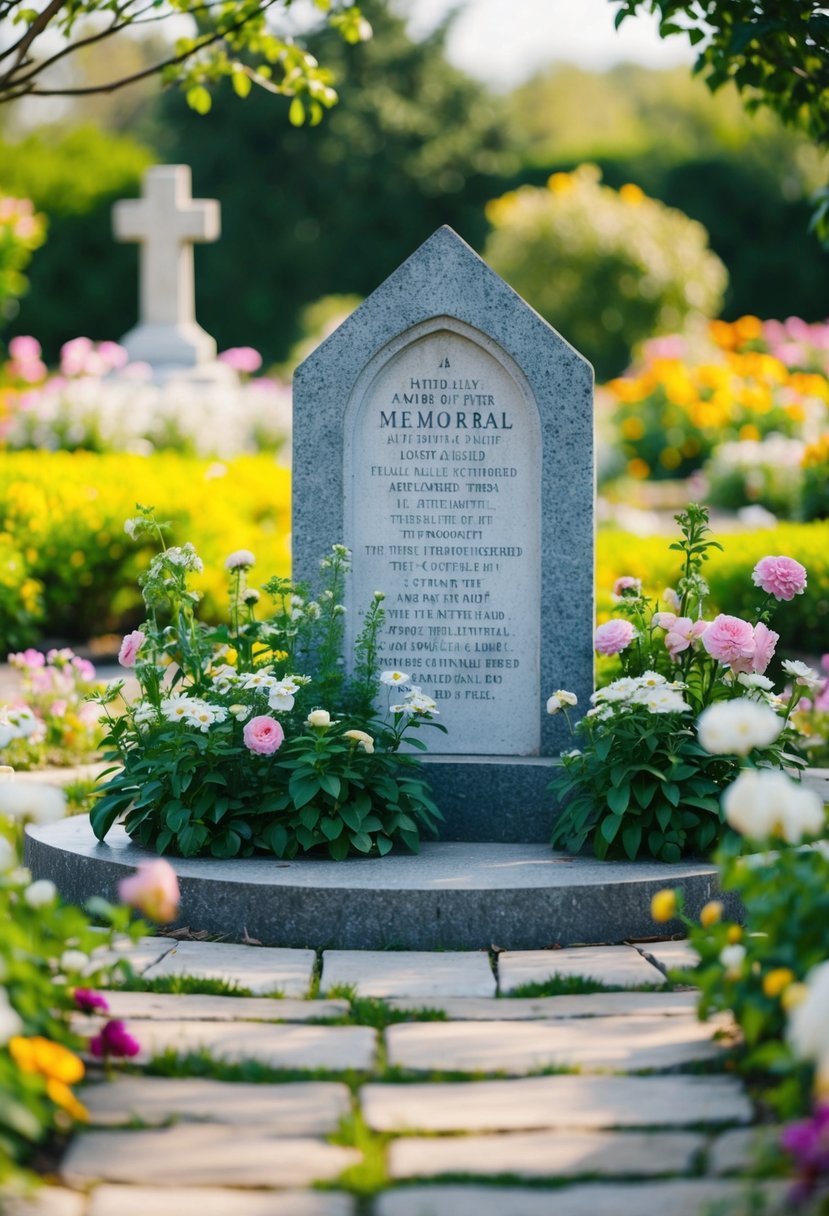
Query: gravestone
point(166, 221)
point(444, 433)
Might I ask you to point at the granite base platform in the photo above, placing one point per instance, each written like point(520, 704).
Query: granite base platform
point(452, 895)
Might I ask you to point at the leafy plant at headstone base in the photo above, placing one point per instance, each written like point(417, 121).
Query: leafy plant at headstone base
point(578, 241)
point(771, 972)
point(230, 750)
point(50, 960)
point(648, 776)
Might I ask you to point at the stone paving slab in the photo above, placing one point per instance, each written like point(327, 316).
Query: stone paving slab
point(164, 1006)
point(588, 1005)
point(202, 1155)
point(48, 1201)
point(670, 956)
point(302, 1108)
point(409, 973)
point(551, 1154)
point(575, 1102)
point(260, 969)
point(616, 966)
point(742, 1149)
point(144, 953)
point(621, 1044)
point(204, 1201)
point(684, 1198)
point(275, 1045)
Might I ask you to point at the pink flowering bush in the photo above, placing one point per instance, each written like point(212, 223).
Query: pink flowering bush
point(641, 782)
point(249, 737)
point(52, 723)
point(812, 719)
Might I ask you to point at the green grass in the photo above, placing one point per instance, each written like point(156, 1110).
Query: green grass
point(372, 1011)
point(371, 1174)
point(181, 985)
point(576, 985)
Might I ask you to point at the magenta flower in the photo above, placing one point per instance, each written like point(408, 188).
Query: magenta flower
point(89, 1001)
point(808, 1142)
point(765, 641)
point(615, 635)
point(130, 647)
point(730, 640)
point(114, 1040)
point(782, 577)
point(153, 889)
point(240, 558)
point(263, 735)
point(242, 359)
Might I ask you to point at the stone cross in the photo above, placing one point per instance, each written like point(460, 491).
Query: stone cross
point(166, 221)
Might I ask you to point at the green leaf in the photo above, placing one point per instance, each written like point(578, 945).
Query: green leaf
point(631, 840)
point(609, 827)
point(309, 817)
point(384, 845)
point(361, 841)
point(618, 799)
point(199, 99)
point(296, 117)
point(671, 792)
point(331, 828)
point(339, 848)
point(241, 83)
point(330, 784)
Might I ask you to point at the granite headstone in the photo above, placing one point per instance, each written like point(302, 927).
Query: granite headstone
point(444, 432)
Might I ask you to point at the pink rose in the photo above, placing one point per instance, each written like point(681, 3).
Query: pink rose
point(242, 359)
point(25, 348)
point(130, 647)
point(152, 889)
point(730, 640)
point(263, 735)
point(613, 636)
point(682, 633)
point(765, 641)
point(627, 583)
point(782, 577)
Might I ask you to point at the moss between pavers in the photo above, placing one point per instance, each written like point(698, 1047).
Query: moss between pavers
point(576, 985)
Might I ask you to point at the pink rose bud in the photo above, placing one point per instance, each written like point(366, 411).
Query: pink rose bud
point(263, 735)
point(627, 584)
point(615, 635)
point(730, 640)
point(153, 890)
point(682, 634)
point(782, 577)
point(130, 647)
point(242, 359)
point(89, 1001)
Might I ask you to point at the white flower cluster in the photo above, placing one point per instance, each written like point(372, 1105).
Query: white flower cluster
point(734, 728)
point(192, 711)
point(184, 556)
point(19, 723)
point(764, 803)
point(650, 690)
point(415, 702)
point(560, 699)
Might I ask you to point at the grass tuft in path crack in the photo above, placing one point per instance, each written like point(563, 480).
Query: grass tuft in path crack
point(180, 985)
point(576, 985)
point(371, 1174)
point(373, 1011)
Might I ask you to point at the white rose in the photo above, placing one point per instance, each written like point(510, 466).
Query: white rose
point(732, 958)
point(73, 960)
point(804, 675)
point(363, 740)
point(318, 717)
point(32, 800)
point(808, 1028)
point(763, 803)
point(40, 893)
point(734, 728)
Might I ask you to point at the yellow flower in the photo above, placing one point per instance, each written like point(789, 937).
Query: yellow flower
point(663, 905)
point(49, 1059)
point(734, 934)
point(231, 656)
point(777, 981)
point(638, 468)
point(631, 194)
point(63, 1097)
point(793, 995)
point(560, 183)
point(711, 914)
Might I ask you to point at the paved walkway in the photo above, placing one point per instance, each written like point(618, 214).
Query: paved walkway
point(368, 1083)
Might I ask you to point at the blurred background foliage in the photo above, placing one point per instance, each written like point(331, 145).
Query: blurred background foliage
point(413, 143)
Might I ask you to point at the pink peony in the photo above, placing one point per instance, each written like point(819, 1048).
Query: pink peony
point(263, 735)
point(84, 668)
point(130, 647)
point(113, 355)
point(627, 583)
point(613, 636)
point(152, 889)
point(730, 640)
point(682, 633)
point(25, 348)
point(242, 359)
point(765, 640)
point(782, 577)
point(27, 658)
point(74, 356)
point(114, 1040)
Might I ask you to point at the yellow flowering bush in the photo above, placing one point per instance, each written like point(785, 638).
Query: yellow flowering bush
point(607, 268)
point(678, 404)
point(806, 620)
point(62, 513)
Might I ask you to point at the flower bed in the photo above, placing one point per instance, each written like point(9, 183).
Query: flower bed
point(249, 736)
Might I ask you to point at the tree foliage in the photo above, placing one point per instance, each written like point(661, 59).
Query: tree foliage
point(776, 52)
point(228, 39)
